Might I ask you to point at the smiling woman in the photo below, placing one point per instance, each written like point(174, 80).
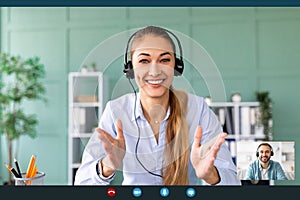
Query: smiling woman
point(155, 135)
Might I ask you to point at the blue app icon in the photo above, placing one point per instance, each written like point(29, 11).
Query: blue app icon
point(190, 192)
point(164, 192)
point(137, 192)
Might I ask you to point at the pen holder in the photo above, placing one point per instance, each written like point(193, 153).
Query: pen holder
point(37, 180)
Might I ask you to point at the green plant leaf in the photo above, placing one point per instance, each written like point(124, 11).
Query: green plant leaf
point(19, 80)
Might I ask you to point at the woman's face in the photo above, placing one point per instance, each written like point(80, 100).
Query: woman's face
point(153, 63)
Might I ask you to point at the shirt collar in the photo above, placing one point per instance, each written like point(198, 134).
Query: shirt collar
point(260, 167)
point(139, 111)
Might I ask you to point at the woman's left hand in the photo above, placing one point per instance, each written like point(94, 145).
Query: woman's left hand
point(204, 167)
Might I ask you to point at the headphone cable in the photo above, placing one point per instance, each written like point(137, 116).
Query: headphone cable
point(139, 134)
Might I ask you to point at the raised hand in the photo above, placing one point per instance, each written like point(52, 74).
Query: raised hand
point(204, 166)
point(114, 148)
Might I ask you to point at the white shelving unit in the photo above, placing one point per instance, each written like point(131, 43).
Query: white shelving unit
point(243, 119)
point(85, 108)
point(236, 109)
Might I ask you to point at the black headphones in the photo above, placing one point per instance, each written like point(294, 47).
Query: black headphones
point(264, 144)
point(179, 66)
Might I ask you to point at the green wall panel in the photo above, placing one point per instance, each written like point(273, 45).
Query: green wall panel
point(229, 43)
point(83, 41)
point(97, 15)
point(200, 87)
point(278, 44)
point(284, 92)
point(49, 45)
point(158, 14)
point(217, 13)
point(277, 13)
point(36, 16)
point(245, 85)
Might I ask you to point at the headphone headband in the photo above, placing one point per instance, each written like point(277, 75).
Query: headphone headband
point(128, 68)
point(127, 47)
point(264, 144)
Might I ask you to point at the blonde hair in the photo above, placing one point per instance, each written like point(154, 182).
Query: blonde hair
point(177, 147)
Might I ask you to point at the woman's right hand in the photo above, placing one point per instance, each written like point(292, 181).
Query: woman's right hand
point(114, 148)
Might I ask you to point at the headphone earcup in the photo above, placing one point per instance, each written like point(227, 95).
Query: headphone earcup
point(128, 70)
point(257, 154)
point(179, 66)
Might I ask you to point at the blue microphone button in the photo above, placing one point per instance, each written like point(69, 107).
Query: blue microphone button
point(164, 192)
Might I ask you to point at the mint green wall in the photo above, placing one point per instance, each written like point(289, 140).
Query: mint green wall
point(254, 49)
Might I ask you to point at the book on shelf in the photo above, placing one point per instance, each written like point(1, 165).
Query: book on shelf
point(87, 98)
point(245, 121)
point(228, 121)
point(225, 117)
point(233, 150)
point(235, 127)
point(252, 120)
point(79, 119)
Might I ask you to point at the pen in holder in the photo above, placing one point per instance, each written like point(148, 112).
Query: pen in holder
point(38, 179)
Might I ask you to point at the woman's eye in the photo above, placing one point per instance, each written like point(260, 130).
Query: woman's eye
point(143, 61)
point(165, 60)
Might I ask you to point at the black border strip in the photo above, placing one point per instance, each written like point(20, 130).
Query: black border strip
point(149, 192)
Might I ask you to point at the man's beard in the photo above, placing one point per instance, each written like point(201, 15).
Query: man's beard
point(262, 159)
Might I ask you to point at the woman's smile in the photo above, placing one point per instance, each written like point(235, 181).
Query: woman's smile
point(156, 82)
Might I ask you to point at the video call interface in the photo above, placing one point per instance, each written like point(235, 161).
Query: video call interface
point(264, 161)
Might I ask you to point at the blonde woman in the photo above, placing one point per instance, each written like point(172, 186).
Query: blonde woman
point(154, 135)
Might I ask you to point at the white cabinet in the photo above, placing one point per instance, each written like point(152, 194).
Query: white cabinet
point(85, 108)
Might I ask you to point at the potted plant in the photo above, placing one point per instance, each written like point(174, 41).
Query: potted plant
point(20, 80)
point(266, 112)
